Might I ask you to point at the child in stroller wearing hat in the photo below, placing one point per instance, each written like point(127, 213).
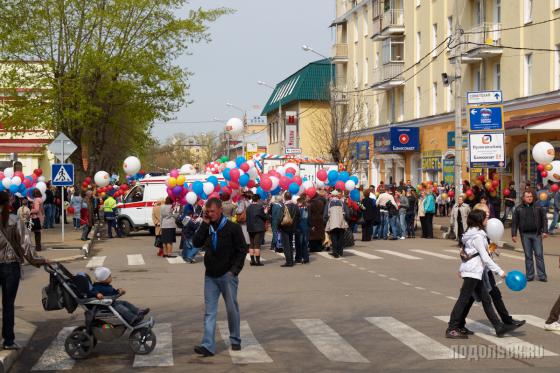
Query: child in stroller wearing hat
point(102, 287)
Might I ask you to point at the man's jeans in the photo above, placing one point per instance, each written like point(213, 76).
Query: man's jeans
point(10, 274)
point(227, 287)
point(554, 222)
point(383, 229)
point(85, 231)
point(50, 212)
point(302, 244)
point(395, 226)
point(128, 311)
point(189, 251)
point(533, 244)
point(288, 244)
point(402, 218)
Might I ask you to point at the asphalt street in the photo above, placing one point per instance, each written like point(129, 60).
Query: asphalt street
point(380, 308)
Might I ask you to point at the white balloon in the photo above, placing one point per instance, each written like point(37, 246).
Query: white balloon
point(234, 127)
point(495, 230)
point(554, 174)
point(301, 190)
point(7, 182)
point(208, 188)
point(253, 173)
point(41, 186)
point(131, 165)
point(281, 170)
point(307, 184)
point(43, 196)
point(16, 180)
point(231, 165)
point(101, 179)
point(191, 198)
point(543, 152)
point(251, 163)
point(319, 184)
point(42, 178)
point(9, 172)
point(254, 190)
point(275, 182)
point(295, 198)
point(350, 185)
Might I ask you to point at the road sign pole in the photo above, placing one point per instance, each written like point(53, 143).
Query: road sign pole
point(62, 193)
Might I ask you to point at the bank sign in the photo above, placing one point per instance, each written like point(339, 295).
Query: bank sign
point(404, 139)
point(487, 150)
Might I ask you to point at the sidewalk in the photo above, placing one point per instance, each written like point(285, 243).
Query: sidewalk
point(24, 332)
point(72, 248)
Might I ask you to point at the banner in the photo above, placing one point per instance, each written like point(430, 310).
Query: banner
point(291, 136)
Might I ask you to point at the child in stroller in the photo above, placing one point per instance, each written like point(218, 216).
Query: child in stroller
point(102, 288)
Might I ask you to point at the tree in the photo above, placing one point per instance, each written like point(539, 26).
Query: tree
point(102, 71)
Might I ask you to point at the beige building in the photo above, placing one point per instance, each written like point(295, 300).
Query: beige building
point(392, 54)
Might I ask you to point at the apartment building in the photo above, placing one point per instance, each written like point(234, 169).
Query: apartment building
point(392, 53)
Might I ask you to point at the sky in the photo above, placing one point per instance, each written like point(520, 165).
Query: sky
point(261, 41)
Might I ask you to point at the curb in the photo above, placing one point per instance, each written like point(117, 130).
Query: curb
point(24, 333)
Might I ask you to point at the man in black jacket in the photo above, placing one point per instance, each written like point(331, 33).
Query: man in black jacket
point(288, 231)
point(531, 222)
point(256, 219)
point(224, 258)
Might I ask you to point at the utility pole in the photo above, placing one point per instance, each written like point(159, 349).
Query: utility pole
point(458, 108)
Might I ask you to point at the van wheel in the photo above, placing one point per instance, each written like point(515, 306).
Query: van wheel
point(125, 226)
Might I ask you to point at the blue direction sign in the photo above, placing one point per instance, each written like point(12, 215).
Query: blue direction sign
point(62, 174)
point(485, 118)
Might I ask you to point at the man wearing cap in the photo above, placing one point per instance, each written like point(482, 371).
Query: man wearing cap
point(225, 254)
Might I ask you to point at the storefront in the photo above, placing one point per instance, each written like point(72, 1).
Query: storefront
point(431, 165)
point(360, 161)
point(395, 158)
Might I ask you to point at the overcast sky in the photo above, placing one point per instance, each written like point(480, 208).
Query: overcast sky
point(260, 41)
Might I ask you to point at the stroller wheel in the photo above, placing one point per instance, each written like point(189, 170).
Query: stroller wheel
point(142, 341)
point(79, 344)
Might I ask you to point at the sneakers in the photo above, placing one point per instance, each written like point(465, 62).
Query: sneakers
point(13, 346)
point(554, 327)
point(402, 238)
point(455, 334)
point(465, 331)
point(236, 347)
point(504, 329)
point(201, 350)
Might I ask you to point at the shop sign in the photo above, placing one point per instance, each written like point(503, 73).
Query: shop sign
point(451, 140)
point(449, 171)
point(382, 142)
point(405, 139)
point(431, 160)
point(361, 151)
point(487, 150)
point(291, 136)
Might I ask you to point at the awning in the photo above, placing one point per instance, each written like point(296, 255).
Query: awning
point(548, 121)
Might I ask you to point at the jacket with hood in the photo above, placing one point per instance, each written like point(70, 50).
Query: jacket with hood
point(476, 241)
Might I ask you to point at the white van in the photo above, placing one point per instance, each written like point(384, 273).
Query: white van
point(135, 213)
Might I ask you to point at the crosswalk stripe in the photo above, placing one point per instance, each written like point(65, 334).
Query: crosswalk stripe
point(452, 251)
point(522, 348)
point(420, 343)
point(396, 253)
point(176, 260)
point(135, 260)
point(512, 256)
point(251, 350)
point(325, 255)
point(55, 357)
point(441, 256)
point(96, 261)
point(535, 321)
point(162, 355)
point(248, 258)
point(362, 254)
point(328, 341)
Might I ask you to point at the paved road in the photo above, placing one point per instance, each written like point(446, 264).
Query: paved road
point(380, 308)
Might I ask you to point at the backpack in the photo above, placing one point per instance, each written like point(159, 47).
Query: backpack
point(287, 219)
point(391, 209)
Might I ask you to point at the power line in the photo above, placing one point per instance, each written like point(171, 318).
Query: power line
point(510, 47)
point(513, 28)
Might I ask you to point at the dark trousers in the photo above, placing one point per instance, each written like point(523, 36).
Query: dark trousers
point(498, 301)
point(302, 245)
point(288, 243)
point(85, 231)
point(10, 274)
point(532, 244)
point(127, 310)
point(464, 302)
point(337, 239)
point(367, 230)
point(554, 312)
point(37, 235)
point(429, 222)
point(315, 246)
point(423, 226)
point(410, 224)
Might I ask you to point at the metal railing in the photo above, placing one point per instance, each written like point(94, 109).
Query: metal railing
point(488, 33)
point(388, 71)
point(393, 17)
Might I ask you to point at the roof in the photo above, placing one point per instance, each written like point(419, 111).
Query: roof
point(525, 121)
point(311, 83)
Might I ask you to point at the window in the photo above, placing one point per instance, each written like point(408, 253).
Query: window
point(355, 21)
point(366, 71)
point(366, 21)
point(392, 103)
point(356, 70)
point(477, 18)
point(365, 119)
point(434, 98)
point(418, 46)
point(434, 39)
point(557, 67)
point(476, 80)
point(393, 50)
point(376, 61)
point(376, 8)
point(497, 11)
point(528, 86)
point(497, 77)
point(528, 11)
point(449, 27)
point(418, 102)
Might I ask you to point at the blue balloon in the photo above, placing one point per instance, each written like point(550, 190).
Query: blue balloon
point(225, 172)
point(2, 187)
point(21, 187)
point(355, 195)
point(332, 176)
point(289, 175)
point(343, 176)
point(304, 179)
point(293, 188)
point(223, 183)
point(186, 185)
point(213, 179)
point(240, 160)
point(244, 180)
point(198, 187)
point(23, 192)
point(332, 183)
point(203, 196)
point(516, 280)
point(14, 188)
point(355, 179)
point(261, 193)
point(276, 191)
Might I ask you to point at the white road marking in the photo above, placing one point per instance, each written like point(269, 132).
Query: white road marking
point(96, 261)
point(420, 343)
point(328, 341)
point(251, 350)
point(401, 255)
point(405, 283)
point(325, 255)
point(372, 271)
point(524, 349)
point(512, 256)
point(535, 321)
point(435, 292)
point(362, 254)
point(353, 265)
point(381, 275)
point(452, 251)
point(176, 260)
point(450, 297)
point(419, 288)
point(55, 357)
point(135, 260)
point(162, 355)
point(393, 279)
point(441, 256)
point(361, 268)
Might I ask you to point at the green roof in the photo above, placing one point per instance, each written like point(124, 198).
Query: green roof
point(311, 83)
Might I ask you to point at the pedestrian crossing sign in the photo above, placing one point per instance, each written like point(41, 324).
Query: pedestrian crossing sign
point(62, 174)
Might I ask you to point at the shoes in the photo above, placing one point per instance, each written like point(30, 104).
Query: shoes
point(530, 279)
point(170, 256)
point(504, 329)
point(517, 323)
point(252, 263)
point(305, 262)
point(13, 346)
point(287, 265)
point(455, 334)
point(466, 331)
point(201, 350)
point(298, 261)
point(402, 238)
point(543, 280)
point(258, 264)
point(236, 347)
point(554, 327)
point(138, 319)
point(336, 256)
point(190, 260)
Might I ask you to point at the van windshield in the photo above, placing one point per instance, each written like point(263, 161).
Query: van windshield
point(135, 195)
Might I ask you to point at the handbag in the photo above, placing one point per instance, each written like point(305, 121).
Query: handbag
point(158, 243)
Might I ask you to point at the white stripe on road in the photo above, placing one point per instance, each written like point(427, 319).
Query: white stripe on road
point(248, 258)
point(329, 342)
point(135, 260)
point(251, 350)
point(176, 260)
point(522, 349)
point(420, 343)
point(362, 254)
point(452, 251)
point(401, 255)
point(535, 321)
point(325, 255)
point(512, 256)
point(55, 357)
point(441, 256)
point(96, 261)
point(162, 355)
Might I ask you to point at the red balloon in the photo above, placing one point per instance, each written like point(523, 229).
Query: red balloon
point(311, 192)
point(20, 174)
point(469, 192)
point(482, 178)
point(71, 210)
point(234, 185)
point(495, 183)
point(339, 185)
point(266, 183)
point(84, 184)
point(297, 180)
point(251, 184)
point(544, 174)
point(245, 167)
point(507, 192)
point(227, 190)
point(434, 190)
point(451, 194)
point(217, 188)
point(540, 167)
point(34, 176)
point(234, 174)
point(26, 182)
point(291, 170)
point(285, 182)
point(39, 172)
point(88, 180)
point(322, 175)
point(214, 195)
point(554, 188)
point(274, 173)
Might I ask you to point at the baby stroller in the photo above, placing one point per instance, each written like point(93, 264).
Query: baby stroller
point(102, 321)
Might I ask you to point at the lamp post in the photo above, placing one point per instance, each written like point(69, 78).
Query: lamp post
point(229, 104)
point(307, 48)
point(264, 84)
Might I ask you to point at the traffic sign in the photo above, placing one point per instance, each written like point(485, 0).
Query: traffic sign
point(486, 118)
point(484, 97)
point(62, 147)
point(292, 151)
point(62, 174)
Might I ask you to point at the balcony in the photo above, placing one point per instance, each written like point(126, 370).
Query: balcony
point(340, 53)
point(481, 42)
point(388, 76)
point(390, 23)
point(340, 90)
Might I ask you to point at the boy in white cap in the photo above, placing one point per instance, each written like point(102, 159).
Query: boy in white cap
point(102, 287)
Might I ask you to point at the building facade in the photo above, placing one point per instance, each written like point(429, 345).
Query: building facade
point(393, 53)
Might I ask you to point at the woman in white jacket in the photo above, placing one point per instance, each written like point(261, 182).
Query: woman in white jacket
point(475, 258)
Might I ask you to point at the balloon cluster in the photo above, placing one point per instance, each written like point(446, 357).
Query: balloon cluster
point(213, 167)
point(241, 173)
point(549, 169)
point(20, 185)
point(133, 169)
point(340, 181)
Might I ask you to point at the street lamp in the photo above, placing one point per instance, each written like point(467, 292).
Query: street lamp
point(307, 48)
